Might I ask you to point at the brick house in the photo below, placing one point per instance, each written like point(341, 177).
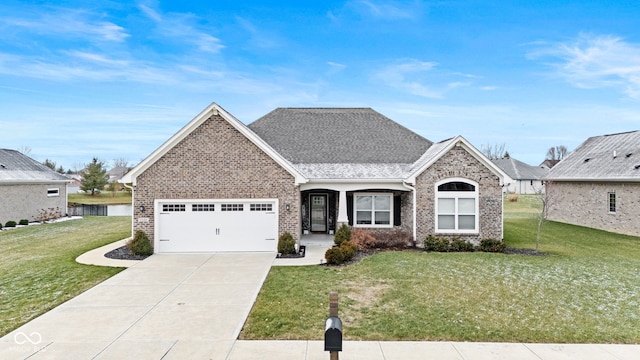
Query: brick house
point(219, 185)
point(598, 184)
point(29, 190)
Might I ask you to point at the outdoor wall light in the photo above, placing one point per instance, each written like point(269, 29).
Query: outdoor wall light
point(287, 207)
point(141, 208)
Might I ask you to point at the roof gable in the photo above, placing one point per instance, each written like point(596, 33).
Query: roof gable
point(16, 167)
point(339, 135)
point(613, 157)
point(211, 110)
point(438, 150)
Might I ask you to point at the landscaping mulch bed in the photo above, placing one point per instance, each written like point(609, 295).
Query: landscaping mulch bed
point(123, 253)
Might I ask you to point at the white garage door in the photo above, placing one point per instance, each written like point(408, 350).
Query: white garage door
point(216, 225)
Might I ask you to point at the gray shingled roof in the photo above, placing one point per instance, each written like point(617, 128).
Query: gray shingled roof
point(517, 170)
point(16, 167)
point(604, 158)
point(338, 136)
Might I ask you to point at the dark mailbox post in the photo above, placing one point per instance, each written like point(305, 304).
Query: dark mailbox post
point(333, 334)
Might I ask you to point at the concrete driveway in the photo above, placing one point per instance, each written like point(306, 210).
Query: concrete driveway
point(189, 306)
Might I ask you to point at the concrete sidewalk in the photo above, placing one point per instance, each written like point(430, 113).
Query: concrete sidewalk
point(419, 350)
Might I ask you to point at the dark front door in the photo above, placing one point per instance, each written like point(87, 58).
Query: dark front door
point(318, 213)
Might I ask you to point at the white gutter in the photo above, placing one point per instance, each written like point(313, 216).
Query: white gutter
point(413, 190)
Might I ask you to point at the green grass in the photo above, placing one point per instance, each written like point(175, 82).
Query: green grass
point(104, 198)
point(38, 270)
point(585, 289)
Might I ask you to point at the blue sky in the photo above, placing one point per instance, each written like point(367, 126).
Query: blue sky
point(115, 79)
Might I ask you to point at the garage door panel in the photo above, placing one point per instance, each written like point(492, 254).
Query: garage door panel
point(217, 226)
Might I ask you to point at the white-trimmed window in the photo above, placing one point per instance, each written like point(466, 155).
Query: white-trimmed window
point(373, 210)
point(51, 192)
point(612, 202)
point(457, 206)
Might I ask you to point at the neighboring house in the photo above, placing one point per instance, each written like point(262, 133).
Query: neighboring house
point(219, 185)
point(27, 188)
point(598, 184)
point(548, 163)
point(521, 178)
point(117, 173)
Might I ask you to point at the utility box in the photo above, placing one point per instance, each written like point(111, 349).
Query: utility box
point(333, 334)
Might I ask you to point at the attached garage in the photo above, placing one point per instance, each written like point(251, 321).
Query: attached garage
point(216, 225)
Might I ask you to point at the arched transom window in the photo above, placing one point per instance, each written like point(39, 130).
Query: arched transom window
point(457, 206)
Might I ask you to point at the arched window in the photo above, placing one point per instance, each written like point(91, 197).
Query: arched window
point(457, 206)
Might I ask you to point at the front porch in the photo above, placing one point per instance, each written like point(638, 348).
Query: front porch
point(315, 247)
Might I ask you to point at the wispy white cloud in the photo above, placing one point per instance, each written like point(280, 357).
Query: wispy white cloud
point(66, 22)
point(335, 68)
point(595, 61)
point(386, 10)
point(183, 27)
point(420, 78)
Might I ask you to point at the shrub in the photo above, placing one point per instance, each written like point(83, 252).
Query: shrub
point(492, 245)
point(286, 244)
point(396, 239)
point(140, 244)
point(349, 250)
point(334, 256)
point(343, 234)
point(10, 223)
point(432, 243)
point(23, 222)
point(512, 198)
point(363, 239)
point(0, 225)
point(460, 245)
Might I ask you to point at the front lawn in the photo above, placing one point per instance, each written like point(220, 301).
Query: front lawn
point(584, 290)
point(38, 270)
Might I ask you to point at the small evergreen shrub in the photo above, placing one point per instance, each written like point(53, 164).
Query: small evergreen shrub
point(363, 239)
point(10, 223)
point(492, 245)
point(23, 222)
point(459, 245)
point(343, 234)
point(140, 244)
point(334, 256)
point(432, 243)
point(0, 225)
point(349, 250)
point(286, 244)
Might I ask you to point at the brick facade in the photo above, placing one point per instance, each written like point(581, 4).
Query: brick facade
point(216, 161)
point(458, 163)
point(587, 204)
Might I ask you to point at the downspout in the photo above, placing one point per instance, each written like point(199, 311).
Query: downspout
point(414, 225)
point(133, 210)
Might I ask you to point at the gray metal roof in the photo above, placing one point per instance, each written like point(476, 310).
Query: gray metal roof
point(614, 157)
point(17, 167)
point(339, 136)
point(517, 170)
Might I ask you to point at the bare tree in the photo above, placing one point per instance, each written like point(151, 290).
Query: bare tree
point(26, 150)
point(548, 198)
point(494, 151)
point(557, 152)
point(120, 162)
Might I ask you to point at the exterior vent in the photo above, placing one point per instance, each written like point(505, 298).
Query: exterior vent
point(2, 166)
point(587, 160)
point(637, 167)
point(628, 155)
point(615, 154)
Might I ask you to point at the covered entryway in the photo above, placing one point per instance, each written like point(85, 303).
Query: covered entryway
point(216, 225)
